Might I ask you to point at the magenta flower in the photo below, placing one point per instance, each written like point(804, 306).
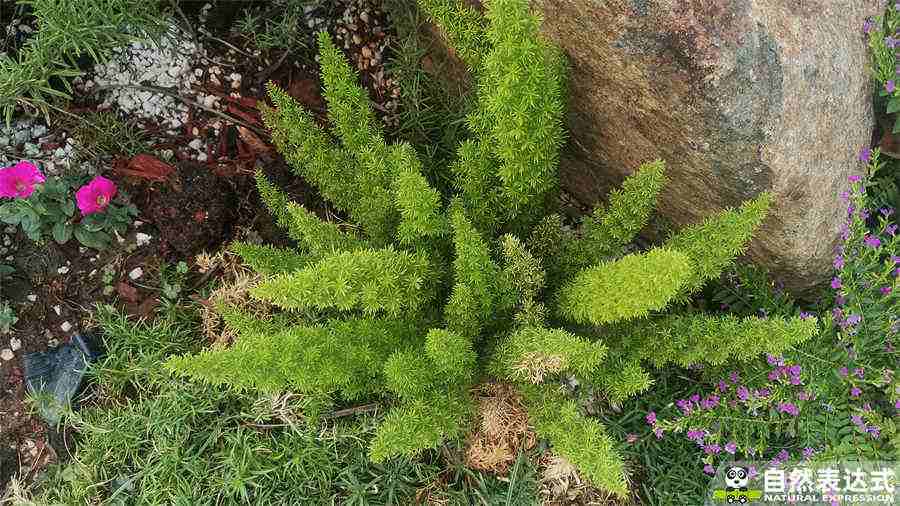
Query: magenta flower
point(17, 181)
point(890, 86)
point(709, 469)
point(651, 418)
point(743, 393)
point(658, 432)
point(868, 25)
point(865, 154)
point(731, 447)
point(95, 196)
point(897, 404)
point(854, 178)
point(855, 392)
point(891, 229)
point(843, 372)
point(835, 283)
point(808, 452)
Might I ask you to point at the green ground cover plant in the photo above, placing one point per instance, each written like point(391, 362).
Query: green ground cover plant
point(428, 293)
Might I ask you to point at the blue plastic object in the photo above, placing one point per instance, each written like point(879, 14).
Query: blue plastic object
point(53, 377)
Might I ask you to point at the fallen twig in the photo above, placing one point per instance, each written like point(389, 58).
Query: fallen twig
point(170, 92)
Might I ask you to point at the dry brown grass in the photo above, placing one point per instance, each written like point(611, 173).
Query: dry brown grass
point(502, 430)
point(237, 280)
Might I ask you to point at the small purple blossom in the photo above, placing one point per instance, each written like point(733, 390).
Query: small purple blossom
point(897, 404)
point(723, 386)
point(696, 435)
point(886, 211)
point(743, 393)
point(868, 26)
point(856, 178)
point(658, 432)
point(844, 372)
point(845, 195)
point(651, 418)
point(855, 392)
point(857, 420)
point(859, 372)
point(839, 262)
point(891, 229)
point(885, 290)
point(853, 319)
point(712, 449)
point(789, 408)
point(709, 469)
point(731, 447)
point(734, 377)
point(865, 154)
point(805, 315)
point(890, 86)
point(872, 241)
point(808, 452)
point(836, 283)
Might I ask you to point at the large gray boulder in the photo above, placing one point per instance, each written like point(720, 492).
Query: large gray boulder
point(738, 96)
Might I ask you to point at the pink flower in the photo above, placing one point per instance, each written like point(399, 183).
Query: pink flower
point(18, 180)
point(95, 196)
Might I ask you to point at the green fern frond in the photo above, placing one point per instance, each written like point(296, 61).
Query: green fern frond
point(421, 216)
point(610, 228)
point(369, 280)
point(267, 260)
point(463, 26)
point(581, 440)
point(627, 288)
point(714, 339)
point(714, 244)
point(473, 298)
point(421, 424)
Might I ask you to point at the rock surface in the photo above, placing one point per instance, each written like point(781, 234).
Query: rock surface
point(738, 97)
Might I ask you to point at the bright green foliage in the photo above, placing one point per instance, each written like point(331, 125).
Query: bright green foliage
point(691, 339)
point(371, 280)
point(419, 204)
point(622, 378)
point(463, 26)
point(340, 354)
point(610, 228)
point(452, 354)
point(421, 423)
point(356, 182)
point(451, 269)
point(478, 185)
point(522, 280)
point(311, 232)
point(714, 244)
point(581, 440)
point(627, 288)
point(268, 259)
point(521, 87)
point(473, 299)
point(530, 353)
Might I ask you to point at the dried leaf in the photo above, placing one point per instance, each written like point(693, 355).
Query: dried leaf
point(127, 292)
point(146, 167)
point(253, 141)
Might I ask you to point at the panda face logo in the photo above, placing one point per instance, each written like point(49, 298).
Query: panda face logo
point(736, 478)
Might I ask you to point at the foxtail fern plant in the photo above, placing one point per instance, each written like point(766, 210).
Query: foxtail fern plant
point(428, 294)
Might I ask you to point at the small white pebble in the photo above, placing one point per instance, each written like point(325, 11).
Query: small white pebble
point(66, 326)
point(201, 157)
point(63, 270)
point(6, 354)
point(31, 297)
point(195, 144)
point(136, 273)
point(142, 239)
point(15, 344)
point(57, 309)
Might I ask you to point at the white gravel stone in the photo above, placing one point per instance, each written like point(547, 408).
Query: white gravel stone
point(7, 354)
point(136, 273)
point(63, 270)
point(142, 239)
point(66, 326)
point(32, 298)
point(15, 344)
